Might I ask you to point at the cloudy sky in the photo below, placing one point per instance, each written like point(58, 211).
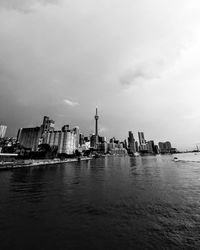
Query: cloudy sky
point(138, 61)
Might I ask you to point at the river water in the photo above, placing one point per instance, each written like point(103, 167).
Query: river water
point(147, 202)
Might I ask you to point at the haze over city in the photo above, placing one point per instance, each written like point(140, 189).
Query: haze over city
point(137, 61)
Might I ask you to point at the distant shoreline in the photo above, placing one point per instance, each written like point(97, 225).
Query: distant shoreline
point(35, 163)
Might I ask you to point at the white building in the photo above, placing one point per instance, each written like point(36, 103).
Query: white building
point(3, 129)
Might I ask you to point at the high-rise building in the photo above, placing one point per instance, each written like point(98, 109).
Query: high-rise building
point(93, 141)
point(165, 147)
point(102, 147)
point(136, 146)
point(87, 139)
point(131, 143)
point(112, 140)
point(111, 146)
point(150, 147)
point(102, 139)
point(76, 136)
point(3, 129)
point(156, 149)
point(168, 145)
point(141, 138)
point(142, 142)
point(125, 144)
point(116, 149)
point(81, 139)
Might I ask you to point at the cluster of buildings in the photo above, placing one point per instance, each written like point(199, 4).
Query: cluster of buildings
point(147, 147)
point(66, 140)
point(69, 141)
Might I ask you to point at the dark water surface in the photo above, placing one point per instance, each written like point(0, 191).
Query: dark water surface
point(108, 203)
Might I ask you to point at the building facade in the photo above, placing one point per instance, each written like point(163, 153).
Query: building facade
point(3, 129)
point(65, 139)
point(47, 125)
point(29, 137)
point(142, 143)
point(150, 147)
point(165, 147)
point(131, 143)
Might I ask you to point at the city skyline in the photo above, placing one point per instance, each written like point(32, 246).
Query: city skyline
point(137, 61)
point(51, 123)
point(68, 140)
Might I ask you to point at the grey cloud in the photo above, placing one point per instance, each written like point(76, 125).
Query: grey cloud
point(24, 5)
point(142, 71)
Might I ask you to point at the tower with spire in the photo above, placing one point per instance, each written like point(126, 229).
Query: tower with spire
point(96, 117)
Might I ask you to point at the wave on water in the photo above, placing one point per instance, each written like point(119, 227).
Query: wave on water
point(187, 157)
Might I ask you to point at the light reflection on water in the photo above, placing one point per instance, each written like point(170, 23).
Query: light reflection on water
point(109, 203)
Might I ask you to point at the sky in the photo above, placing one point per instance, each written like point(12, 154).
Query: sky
point(136, 60)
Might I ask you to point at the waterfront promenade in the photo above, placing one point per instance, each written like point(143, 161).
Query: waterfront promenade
point(34, 163)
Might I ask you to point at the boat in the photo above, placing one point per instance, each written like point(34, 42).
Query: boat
point(176, 159)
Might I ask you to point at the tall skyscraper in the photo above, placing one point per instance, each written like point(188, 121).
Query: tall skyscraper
point(141, 138)
point(96, 117)
point(81, 139)
point(142, 142)
point(150, 147)
point(131, 143)
point(3, 129)
point(136, 146)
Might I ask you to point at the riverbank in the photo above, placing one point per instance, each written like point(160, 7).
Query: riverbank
point(35, 163)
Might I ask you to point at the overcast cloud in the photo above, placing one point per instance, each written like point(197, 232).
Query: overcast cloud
point(138, 61)
point(24, 5)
